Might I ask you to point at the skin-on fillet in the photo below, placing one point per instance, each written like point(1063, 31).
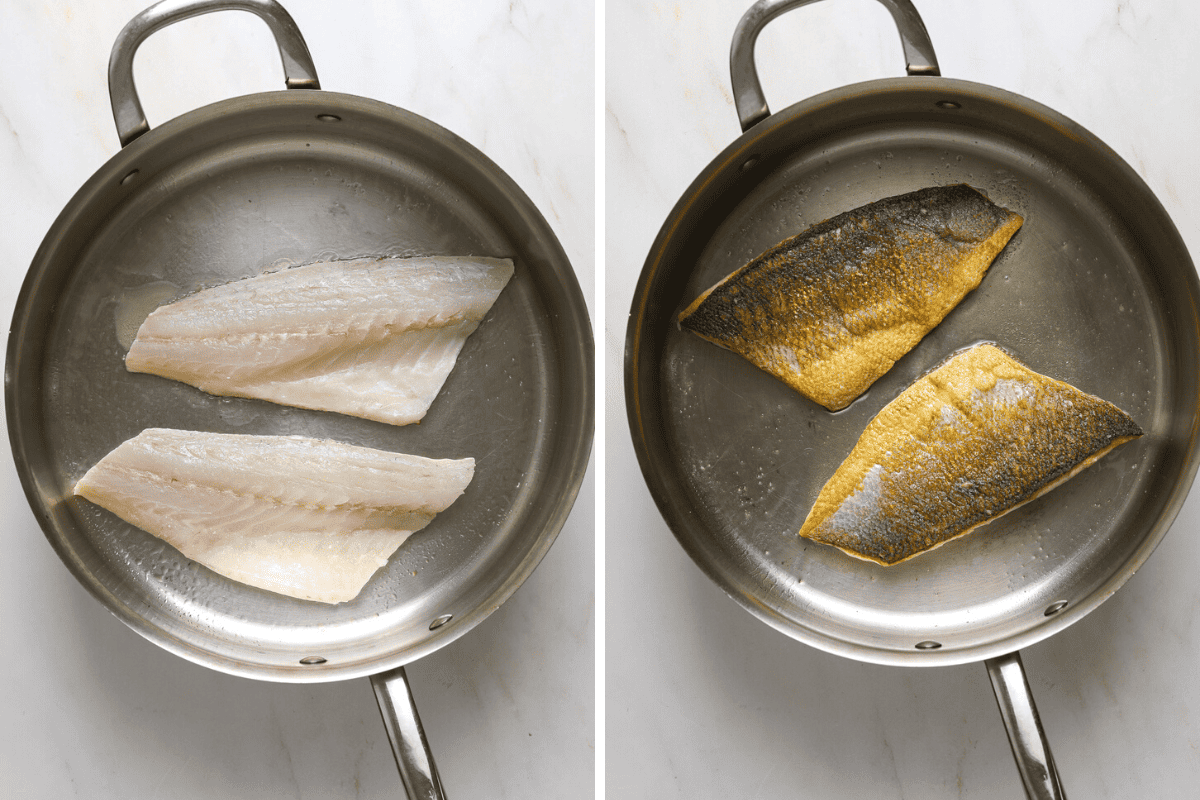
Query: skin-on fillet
point(372, 338)
point(308, 518)
point(968, 442)
point(830, 310)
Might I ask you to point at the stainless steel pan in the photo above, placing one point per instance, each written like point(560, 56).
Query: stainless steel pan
point(1096, 289)
point(281, 178)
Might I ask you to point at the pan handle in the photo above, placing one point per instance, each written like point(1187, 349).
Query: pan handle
point(298, 69)
point(747, 91)
point(1030, 747)
point(409, 745)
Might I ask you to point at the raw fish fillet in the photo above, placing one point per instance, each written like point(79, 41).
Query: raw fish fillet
point(970, 441)
point(373, 338)
point(308, 518)
point(831, 309)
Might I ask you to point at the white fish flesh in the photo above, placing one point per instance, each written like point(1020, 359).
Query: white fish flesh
point(372, 338)
point(308, 518)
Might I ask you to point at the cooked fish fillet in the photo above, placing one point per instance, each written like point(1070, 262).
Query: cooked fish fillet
point(974, 439)
point(830, 310)
point(373, 338)
point(308, 518)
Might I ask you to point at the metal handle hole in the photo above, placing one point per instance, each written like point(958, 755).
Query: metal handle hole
point(1056, 607)
point(948, 104)
point(329, 118)
point(440, 621)
point(310, 661)
point(928, 645)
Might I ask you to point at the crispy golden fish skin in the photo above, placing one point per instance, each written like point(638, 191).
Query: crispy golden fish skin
point(830, 310)
point(968, 442)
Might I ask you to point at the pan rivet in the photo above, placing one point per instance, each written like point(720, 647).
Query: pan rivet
point(440, 621)
point(129, 177)
point(948, 104)
point(309, 661)
point(329, 118)
point(749, 162)
point(928, 645)
point(1057, 607)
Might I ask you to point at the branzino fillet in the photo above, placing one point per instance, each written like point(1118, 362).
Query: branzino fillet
point(831, 309)
point(966, 443)
point(372, 338)
point(308, 518)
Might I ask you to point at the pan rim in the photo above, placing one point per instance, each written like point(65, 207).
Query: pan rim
point(576, 351)
point(681, 518)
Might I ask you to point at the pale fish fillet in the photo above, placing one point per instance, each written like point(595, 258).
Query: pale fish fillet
point(372, 338)
point(308, 518)
point(970, 441)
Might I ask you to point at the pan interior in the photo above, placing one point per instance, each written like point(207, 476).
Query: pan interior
point(254, 186)
point(1076, 295)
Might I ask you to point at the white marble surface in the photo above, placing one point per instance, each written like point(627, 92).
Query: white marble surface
point(703, 701)
point(93, 710)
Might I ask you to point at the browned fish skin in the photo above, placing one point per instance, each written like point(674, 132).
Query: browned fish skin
point(830, 310)
point(972, 440)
